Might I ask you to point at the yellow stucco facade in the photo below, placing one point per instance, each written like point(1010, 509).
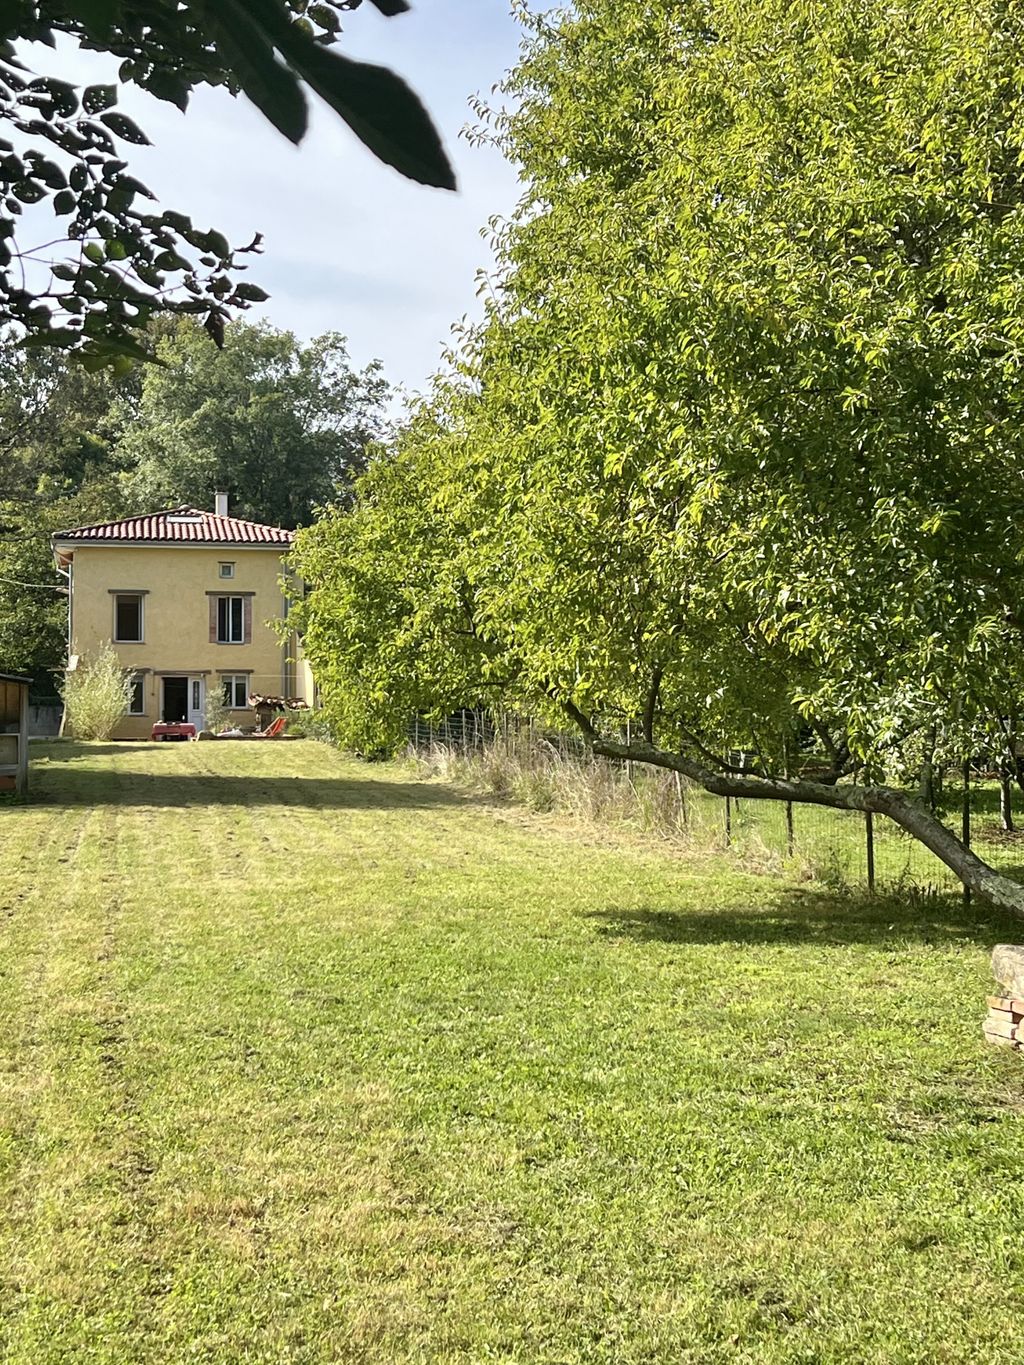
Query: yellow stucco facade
point(179, 588)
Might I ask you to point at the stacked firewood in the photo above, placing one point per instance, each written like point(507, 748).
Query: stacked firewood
point(1004, 1023)
point(256, 699)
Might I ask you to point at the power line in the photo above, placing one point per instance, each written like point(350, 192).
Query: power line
point(52, 587)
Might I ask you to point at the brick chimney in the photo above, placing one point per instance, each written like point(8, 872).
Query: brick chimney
point(220, 504)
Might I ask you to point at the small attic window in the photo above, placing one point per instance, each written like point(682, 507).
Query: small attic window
point(227, 570)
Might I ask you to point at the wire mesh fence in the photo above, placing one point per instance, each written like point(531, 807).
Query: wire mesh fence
point(550, 771)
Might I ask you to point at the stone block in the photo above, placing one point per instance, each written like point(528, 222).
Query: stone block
point(1008, 968)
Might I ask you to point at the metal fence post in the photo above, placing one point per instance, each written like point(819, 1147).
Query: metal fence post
point(681, 794)
point(728, 822)
point(869, 845)
point(966, 819)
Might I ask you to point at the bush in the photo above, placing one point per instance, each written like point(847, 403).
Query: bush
point(96, 695)
point(216, 716)
point(310, 725)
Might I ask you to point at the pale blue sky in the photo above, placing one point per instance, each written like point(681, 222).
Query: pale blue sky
point(349, 244)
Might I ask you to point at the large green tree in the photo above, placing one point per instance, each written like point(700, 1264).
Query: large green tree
point(124, 258)
point(281, 425)
point(740, 452)
point(59, 466)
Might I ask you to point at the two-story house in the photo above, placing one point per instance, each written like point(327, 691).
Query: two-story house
point(188, 599)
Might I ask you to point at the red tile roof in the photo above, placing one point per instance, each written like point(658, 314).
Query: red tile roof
point(181, 524)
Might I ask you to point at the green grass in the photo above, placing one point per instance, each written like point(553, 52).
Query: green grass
point(310, 1061)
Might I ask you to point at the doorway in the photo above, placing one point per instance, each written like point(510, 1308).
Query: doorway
point(175, 700)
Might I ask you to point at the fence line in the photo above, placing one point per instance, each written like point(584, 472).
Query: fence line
point(551, 770)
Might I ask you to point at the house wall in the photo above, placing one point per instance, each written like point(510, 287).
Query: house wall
point(176, 581)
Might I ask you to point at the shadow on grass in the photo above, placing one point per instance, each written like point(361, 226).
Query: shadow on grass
point(800, 916)
point(80, 787)
point(58, 750)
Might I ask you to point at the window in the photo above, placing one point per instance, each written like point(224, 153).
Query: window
point(137, 701)
point(236, 691)
point(227, 570)
point(230, 621)
point(197, 695)
point(128, 618)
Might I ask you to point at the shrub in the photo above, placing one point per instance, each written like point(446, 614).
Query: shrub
point(216, 716)
point(310, 725)
point(96, 695)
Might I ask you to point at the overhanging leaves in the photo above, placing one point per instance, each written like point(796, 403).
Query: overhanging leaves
point(268, 50)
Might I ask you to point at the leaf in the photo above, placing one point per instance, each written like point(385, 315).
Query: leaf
point(326, 17)
point(119, 343)
point(391, 7)
point(170, 261)
point(247, 54)
point(29, 191)
point(54, 336)
point(381, 110)
point(63, 95)
point(49, 172)
point(97, 16)
point(375, 103)
point(125, 128)
point(99, 97)
point(64, 202)
point(213, 325)
point(169, 86)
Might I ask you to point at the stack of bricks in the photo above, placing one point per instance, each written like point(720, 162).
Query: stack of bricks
point(1004, 1023)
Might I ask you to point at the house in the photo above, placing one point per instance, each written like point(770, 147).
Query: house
point(189, 601)
point(14, 733)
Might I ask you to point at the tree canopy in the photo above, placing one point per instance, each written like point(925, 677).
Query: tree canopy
point(280, 425)
point(123, 258)
point(738, 456)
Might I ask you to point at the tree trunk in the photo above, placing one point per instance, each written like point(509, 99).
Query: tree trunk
point(897, 805)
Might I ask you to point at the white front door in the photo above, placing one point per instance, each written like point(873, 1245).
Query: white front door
point(196, 702)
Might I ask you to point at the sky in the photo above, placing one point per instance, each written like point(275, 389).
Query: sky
point(349, 245)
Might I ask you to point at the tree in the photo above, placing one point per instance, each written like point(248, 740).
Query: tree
point(740, 451)
point(59, 429)
point(33, 596)
point(280, 425)
point(389, 619)
point(67, 148)
point(96, 694)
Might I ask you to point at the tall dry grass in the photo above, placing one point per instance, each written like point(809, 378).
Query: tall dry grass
point(550, 777)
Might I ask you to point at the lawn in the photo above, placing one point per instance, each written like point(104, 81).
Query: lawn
point(310, 1061)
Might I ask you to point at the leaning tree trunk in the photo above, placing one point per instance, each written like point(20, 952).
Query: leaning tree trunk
point(908, 813)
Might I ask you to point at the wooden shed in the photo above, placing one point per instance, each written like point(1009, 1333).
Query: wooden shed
point(14, 733)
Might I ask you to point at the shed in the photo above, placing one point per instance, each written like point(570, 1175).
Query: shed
point(14, 733)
